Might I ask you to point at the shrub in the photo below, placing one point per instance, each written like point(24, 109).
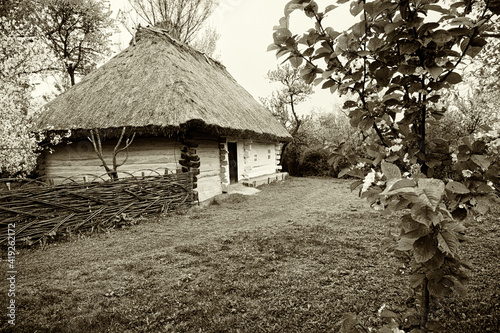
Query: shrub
point(314, 162)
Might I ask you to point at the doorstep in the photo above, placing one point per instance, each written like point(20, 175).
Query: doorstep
point(264, 180)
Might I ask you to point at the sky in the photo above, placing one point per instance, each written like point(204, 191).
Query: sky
point(246, 28)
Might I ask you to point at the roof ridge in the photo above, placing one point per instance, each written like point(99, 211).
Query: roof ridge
point(165, 34)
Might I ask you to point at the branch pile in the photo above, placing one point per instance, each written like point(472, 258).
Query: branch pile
point(50, 211)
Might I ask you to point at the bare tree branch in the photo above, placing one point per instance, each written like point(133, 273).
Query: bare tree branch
point(182, 18)
point(96, 142)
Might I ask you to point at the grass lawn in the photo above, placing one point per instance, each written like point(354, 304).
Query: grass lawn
point(292, 258)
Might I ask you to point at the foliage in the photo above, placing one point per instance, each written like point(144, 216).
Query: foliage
point(472, 106)
point(344, 143)
point(19, 145)
point(184, 19)
point(76, 31)
point(19, 56)
point(206, 41)
point(293, 90)
point(24, 56)
point(328, 137)
point(314, 162)
point(282, 104)
point(396, 61)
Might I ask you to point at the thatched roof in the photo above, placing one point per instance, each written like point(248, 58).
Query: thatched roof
point(160, 84)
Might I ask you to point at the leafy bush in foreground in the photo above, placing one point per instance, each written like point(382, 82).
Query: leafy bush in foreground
point(396, 60)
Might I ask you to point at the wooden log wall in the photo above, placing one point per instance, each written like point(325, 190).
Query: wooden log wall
point(262, 159)
point(247, 158)
point(209, 179)
point(224, 164)
point(79, 158)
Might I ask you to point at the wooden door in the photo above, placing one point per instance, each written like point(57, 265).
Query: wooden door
point(233, 162)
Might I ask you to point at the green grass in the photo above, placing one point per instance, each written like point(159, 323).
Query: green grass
point(293, 258)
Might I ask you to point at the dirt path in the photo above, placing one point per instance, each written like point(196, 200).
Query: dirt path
point(277, 206)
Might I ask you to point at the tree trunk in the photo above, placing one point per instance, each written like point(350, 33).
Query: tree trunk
point(71, 73)
point(425, 303)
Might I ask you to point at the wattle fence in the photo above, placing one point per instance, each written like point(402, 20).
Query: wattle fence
point(36, 211)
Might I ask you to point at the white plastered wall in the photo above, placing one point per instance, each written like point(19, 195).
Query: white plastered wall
point(255, 158)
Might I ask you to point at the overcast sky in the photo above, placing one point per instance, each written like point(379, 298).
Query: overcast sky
point(245, 28)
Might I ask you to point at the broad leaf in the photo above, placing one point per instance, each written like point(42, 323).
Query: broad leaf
point(390, 171)
point(435, 262)
point(478, 147)
point(416, 279)
point(405, 244)
point(457, 188)
point(395, 184)
point(484, 189)
point(438, 8)
point(424, 248)
point(354, 185)
point(406, 69)
point(454, 78)
point(455, 226)
point(408, 224)
point(430, 191)
point(482, 205)
point(447, 242)
point(458, 286)
point(409, 47)
point(417, 233)
point(441, 37)
point(356, 7)
point(291, 6)
point(424, 214)
point(295, 61)
point(399, 204)
point(328, 84)
point(375, 43)
point(383, 76)
point(273, 47)
point(344, 172)
point(435, 71)
point(438, 289)
point(311, 10)
point(481, 160)
point(329, 8)
point(356, 173)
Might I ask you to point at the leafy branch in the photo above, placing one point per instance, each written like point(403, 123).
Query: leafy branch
point(395, 60)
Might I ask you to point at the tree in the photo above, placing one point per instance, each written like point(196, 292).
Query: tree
point(184, 19)
point(23, 55)
point(472, 106)
point(344, 143)
point(282, 103)
point(397, 60)
point(77, 31)
point(293, 91)
point(19, 57)
point(95, 139)
point(206, 41)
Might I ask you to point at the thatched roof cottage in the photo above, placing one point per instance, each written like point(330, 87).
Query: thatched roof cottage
point(173, 98)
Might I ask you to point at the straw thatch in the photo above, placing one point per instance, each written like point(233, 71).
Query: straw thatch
point(160, 84)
